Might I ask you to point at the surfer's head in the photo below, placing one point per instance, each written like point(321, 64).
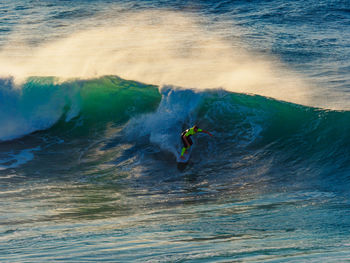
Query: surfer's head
point(195, 127)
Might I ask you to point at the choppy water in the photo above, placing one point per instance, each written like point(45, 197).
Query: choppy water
point(94, 95)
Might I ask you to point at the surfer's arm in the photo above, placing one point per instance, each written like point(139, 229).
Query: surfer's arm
point(205, 132)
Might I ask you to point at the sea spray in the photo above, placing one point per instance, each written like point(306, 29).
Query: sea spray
point(161, 48)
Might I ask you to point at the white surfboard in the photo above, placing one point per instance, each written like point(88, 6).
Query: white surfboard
point(186, 156)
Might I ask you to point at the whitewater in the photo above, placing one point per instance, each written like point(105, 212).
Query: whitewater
point(95, 94)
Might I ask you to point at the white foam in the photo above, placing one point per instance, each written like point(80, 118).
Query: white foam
point(31, 109)
point(165, 125)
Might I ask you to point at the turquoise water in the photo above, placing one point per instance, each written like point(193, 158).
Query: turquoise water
point(94, 96)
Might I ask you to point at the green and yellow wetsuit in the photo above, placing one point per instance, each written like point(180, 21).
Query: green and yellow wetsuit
point(188, 133)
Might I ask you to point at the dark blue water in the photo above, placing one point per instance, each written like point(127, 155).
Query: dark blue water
point(94, 96)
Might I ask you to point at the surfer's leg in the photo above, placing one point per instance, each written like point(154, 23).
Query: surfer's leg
point(184, 149)
point(189, 140)
point(185, 141)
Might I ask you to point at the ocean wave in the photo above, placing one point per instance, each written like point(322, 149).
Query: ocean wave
point(242, 124)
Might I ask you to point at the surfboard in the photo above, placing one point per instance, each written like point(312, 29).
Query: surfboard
point(186, 156)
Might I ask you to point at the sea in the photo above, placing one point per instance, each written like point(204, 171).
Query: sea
point(94, 95)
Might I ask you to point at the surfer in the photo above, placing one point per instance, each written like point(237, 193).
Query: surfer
point(186, 138)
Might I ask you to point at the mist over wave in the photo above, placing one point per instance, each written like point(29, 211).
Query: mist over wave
point(160, 48)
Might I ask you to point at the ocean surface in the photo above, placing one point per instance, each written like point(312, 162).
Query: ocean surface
point(94, 95)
